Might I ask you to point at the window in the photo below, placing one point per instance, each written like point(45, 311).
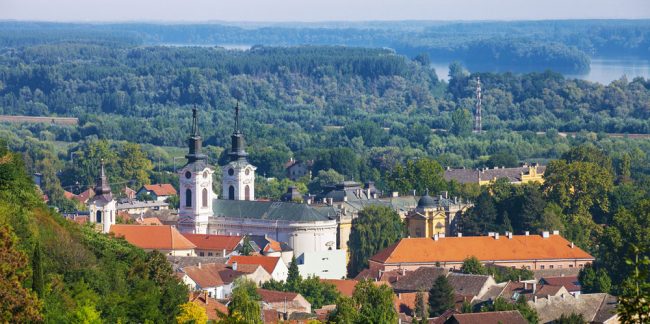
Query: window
point(551, 266)
point(204, 196)
point(205, 174)
point(188, 174)
point(570, 265)
point(99, 216)
point(541, 267)
point(201, 254)
point(248, 171)
point(188, 198)
point(247, 192)
point(209, 253)
point(231, 193)
point(231, 171)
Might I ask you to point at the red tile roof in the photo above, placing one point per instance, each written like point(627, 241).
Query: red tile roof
point(405, 302)
point(214, 242)
point(268, 263)
point(217, 274)
point(154, 237)
point(149, 221)
point(84, 196)
point(210, 305)
point(571, 283)
point(161, 189)
point(273, 296)
point(456, 249)
point(68, 195)
point(345, 286)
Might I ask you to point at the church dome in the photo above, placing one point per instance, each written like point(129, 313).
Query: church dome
point(426, 201)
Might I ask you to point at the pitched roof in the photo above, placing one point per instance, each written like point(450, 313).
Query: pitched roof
point(84, 196)
point(269, 245)
point(179, 262)
point(214, 242)
point(510, 317)
point(266, 210)
point(161, 189)
point(456, 249)
point(467, 284)
point(217, 274)
point(345, 286)
point(210, 304)
point(476, 175)
point(557, 272)
point(272, 296)
point(405, 302)
point(421, 279)
point(571, 283)
point(155, 237)
point(149, 221)
point(593, 307)
point(68, 194)
point(268, 263)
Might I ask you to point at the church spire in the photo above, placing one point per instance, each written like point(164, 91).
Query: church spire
point(195, 141)
point(102, 187)
point(237, 152)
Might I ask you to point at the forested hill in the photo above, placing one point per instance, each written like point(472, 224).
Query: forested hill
point(56, 271)
point(564, 46)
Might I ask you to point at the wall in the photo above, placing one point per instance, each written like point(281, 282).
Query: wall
point(325, 264)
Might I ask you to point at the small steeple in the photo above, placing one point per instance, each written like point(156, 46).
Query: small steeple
point(237, 152)
point(195, 141)
point(102, 187)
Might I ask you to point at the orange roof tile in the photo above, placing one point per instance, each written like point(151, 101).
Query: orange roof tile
point(161, 189)
point(268, 263)
point(273, 296)
point(149, 221)
point(84, 196)
point(214, 242)
point(155, 237)
point(217, 274)
point(210, 305)
point(456, 249)
point(405, 302)
point(68, 195)
point(344, 286)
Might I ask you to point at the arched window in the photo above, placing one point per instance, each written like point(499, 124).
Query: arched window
point(247, 192)
point(204, 196)
point(188, 198)
point(231, 193)
point(99, 216)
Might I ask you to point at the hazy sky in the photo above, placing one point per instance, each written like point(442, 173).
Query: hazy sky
point(318, 10)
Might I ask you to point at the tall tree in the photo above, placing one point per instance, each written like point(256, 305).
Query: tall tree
point(472, 265)
point(346, 311)
point(421, 307)
point(441, 296)
point(244, 302)
point(293, 277)
point(375, 303)
point(191, 313)
point(461, 122)
point(594, 280)
point(376, 228)
point(37, 270)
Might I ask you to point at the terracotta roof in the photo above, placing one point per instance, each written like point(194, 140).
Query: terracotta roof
point(217, 274)
point(571, 283)
point(68, 195)
point(214, 242)
point(405, 302)
point(344, 286)
point(510, 317)
point(149, 221)
point(210, 305)
point(272, 296)
point(84, 196)
point(155, 237)
point(268, 263)
point(456, 249)
point(161, 189)
point(421, 279)
point(594, 308)
point(81, 219)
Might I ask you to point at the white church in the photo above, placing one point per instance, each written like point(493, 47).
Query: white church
point(311, 234)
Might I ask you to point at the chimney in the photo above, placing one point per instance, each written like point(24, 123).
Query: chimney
point(556, 232)
point(199, 265)
point(224, 253)
point(527, 233)
point(403, 272)
point(206, 296)
point(510, 235)
point(435, 237)
point(525, 285)
point(496, 236)
point(345, 198)
point(331, 201)
point(534, 287)
point(545, 234)
point(491, 234)
point(234, 266)
point(534, 299)
point(572, 245)
point(460, 234)
point(441, 235)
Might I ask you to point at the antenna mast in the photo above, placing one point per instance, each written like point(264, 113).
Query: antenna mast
point(478, 127)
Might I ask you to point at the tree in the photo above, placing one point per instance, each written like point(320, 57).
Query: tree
point(419, 175)
point(421, 307)
point(244, 302)
point(37, 270)
point(571, 319)
point(375, 303)
point(17, 304)
point(86, 314)
point(461, 122)
point(346, 311)
point(293, 278)
point(192, 313)
point(441, 296)
point(594, 281)
point(376, 228)
point(246, 248)
point(325, 178)
point(134, 164)
point(472, 265)
point(634, 304)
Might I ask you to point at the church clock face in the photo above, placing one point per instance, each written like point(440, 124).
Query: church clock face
point(248, 171)
point(188, 174)
point(231, 172)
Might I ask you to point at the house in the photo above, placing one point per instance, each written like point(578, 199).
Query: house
point(405, 302)
point(272, 265)
point(217, 278)
point(212, 306)
point(571, 283)
point(159, 192)
point(470, 286)
point(523, 174)
point(323, 264)
point(510, 317)
point(531, 291)
point(435, 216)
point(136, 207)
point(286, 303)
point(142, 220)
point(163, 238)
point(421, 279)
point(129, 193)
point(515, 251)
point(214, 245)
point(267, 246)
point(297, 169)
point(85, 196)
point(594, 308)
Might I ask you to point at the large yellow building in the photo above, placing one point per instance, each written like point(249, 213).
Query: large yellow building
point(523, 174)
point(434, 216)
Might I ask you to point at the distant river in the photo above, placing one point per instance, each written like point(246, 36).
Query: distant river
point(603, 70)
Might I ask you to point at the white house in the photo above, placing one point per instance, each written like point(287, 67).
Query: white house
point(273, 265)
point(217, 279)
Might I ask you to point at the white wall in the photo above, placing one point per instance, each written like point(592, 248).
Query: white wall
point(325, 264)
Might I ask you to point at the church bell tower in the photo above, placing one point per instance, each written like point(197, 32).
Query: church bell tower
point(195, 182)
point(238, 175)
point(102, 207)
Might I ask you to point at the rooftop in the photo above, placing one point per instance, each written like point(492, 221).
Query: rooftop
point(510, 317)
point(571, 283)
point(268, 263)
point(596, 308)
point(272, 296)
point(161, 189)
point(485, 248)
point(421, 279)
point(345, 286)
point(214, 242)
point(266, 210)
point(217, 274)
point(153, 237)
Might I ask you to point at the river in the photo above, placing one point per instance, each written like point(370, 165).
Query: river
point(603, 70)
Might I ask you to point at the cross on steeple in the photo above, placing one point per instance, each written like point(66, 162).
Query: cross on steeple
point(195, 123)
point(237, 117)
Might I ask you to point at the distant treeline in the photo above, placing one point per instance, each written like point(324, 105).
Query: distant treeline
point(564, 46)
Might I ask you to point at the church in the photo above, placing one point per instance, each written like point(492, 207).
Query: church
point(311, 234)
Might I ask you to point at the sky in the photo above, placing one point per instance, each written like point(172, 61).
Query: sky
point(317, 10)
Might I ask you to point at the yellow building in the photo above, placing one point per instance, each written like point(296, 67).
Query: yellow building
point(434, 216)
point(523, 174)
